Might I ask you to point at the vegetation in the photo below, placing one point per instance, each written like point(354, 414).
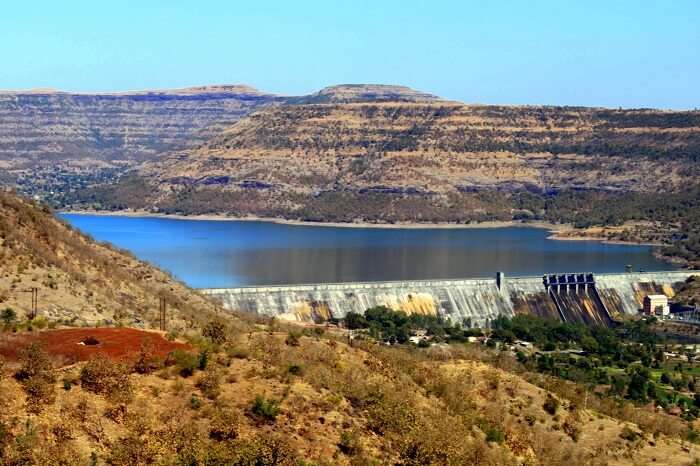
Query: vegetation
point(37, 377)
point(105, 377)
point(630, 361)
point(392, 326)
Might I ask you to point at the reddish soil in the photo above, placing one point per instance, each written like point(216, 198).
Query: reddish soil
point(65, 345)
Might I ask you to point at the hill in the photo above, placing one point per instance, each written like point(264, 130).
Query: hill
point(353, 93)
point(81, 282)
point(240, 390)
point(437, 161)
point(50, 126)
point(363, 153)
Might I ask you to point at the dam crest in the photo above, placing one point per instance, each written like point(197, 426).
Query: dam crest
point(575, 297)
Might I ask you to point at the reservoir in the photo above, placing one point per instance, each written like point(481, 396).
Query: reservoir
point(223, 254)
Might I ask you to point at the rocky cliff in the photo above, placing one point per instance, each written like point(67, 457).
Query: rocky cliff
point(437, 146)
point(47, 126)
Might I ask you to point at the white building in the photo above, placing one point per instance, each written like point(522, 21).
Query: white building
point(656, 305)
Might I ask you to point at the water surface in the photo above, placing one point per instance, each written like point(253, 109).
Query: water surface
point(213, 254)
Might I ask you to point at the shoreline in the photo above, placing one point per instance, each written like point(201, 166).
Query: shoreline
point(558, 232)
point(283, 221)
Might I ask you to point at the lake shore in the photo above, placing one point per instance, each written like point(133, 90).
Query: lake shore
point(283, 221)
point(559, 232)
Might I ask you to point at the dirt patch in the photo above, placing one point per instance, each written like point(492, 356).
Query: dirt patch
point(67, 346)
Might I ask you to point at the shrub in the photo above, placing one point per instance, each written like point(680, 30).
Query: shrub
point(237, 352)
point(354, 321)
point(494, 434)
point(195, 402)
point(551, 405)
point(265, 409)
point(349, 443)
point(68, 381)
point(224, 425)
point(292, 339)
point(628, 434)
point(210, 384)
point(262, 449)
point(203, 360)
point(185, 361)
point(36, 376)
point(102, 376)
point(146, 361)
point(215, 331)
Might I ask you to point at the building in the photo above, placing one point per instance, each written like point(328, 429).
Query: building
point(656, 305)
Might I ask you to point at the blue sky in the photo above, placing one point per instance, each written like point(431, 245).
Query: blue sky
point(642, 53)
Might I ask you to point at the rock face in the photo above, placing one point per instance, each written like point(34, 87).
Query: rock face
point(49, 126)
point(443, 147)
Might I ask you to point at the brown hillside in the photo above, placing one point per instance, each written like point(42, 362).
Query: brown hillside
point(78, 280)
point(444, 147)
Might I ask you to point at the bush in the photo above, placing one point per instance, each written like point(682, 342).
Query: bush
point(494, 434)
point(224, 425)
point(195, 402)
point(354, 321)
point(36, 376)
point(551, 405)
point(349, 443)
point(215, 331)
point(186, 362)
point(292, 339)
point(262, 449)
point(203, 360)
point(295, 369)
point(265, 409)
point(146, 361)
point(210, 384)
point(102, 376)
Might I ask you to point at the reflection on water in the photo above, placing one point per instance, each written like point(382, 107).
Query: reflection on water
point(224, 254)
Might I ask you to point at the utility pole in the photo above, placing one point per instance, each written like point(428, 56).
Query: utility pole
point(34, 311)
point(161, 312)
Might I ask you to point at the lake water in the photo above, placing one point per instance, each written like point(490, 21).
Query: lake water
point(213, 254)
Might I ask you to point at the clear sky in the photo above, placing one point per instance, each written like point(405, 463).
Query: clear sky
point(641, 53)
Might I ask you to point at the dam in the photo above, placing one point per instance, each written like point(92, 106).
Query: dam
point(587, 298)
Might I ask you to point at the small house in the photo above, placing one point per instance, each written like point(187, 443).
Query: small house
point(656, 305)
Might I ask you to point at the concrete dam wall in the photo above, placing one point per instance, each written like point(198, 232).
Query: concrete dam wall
point(481, 300)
